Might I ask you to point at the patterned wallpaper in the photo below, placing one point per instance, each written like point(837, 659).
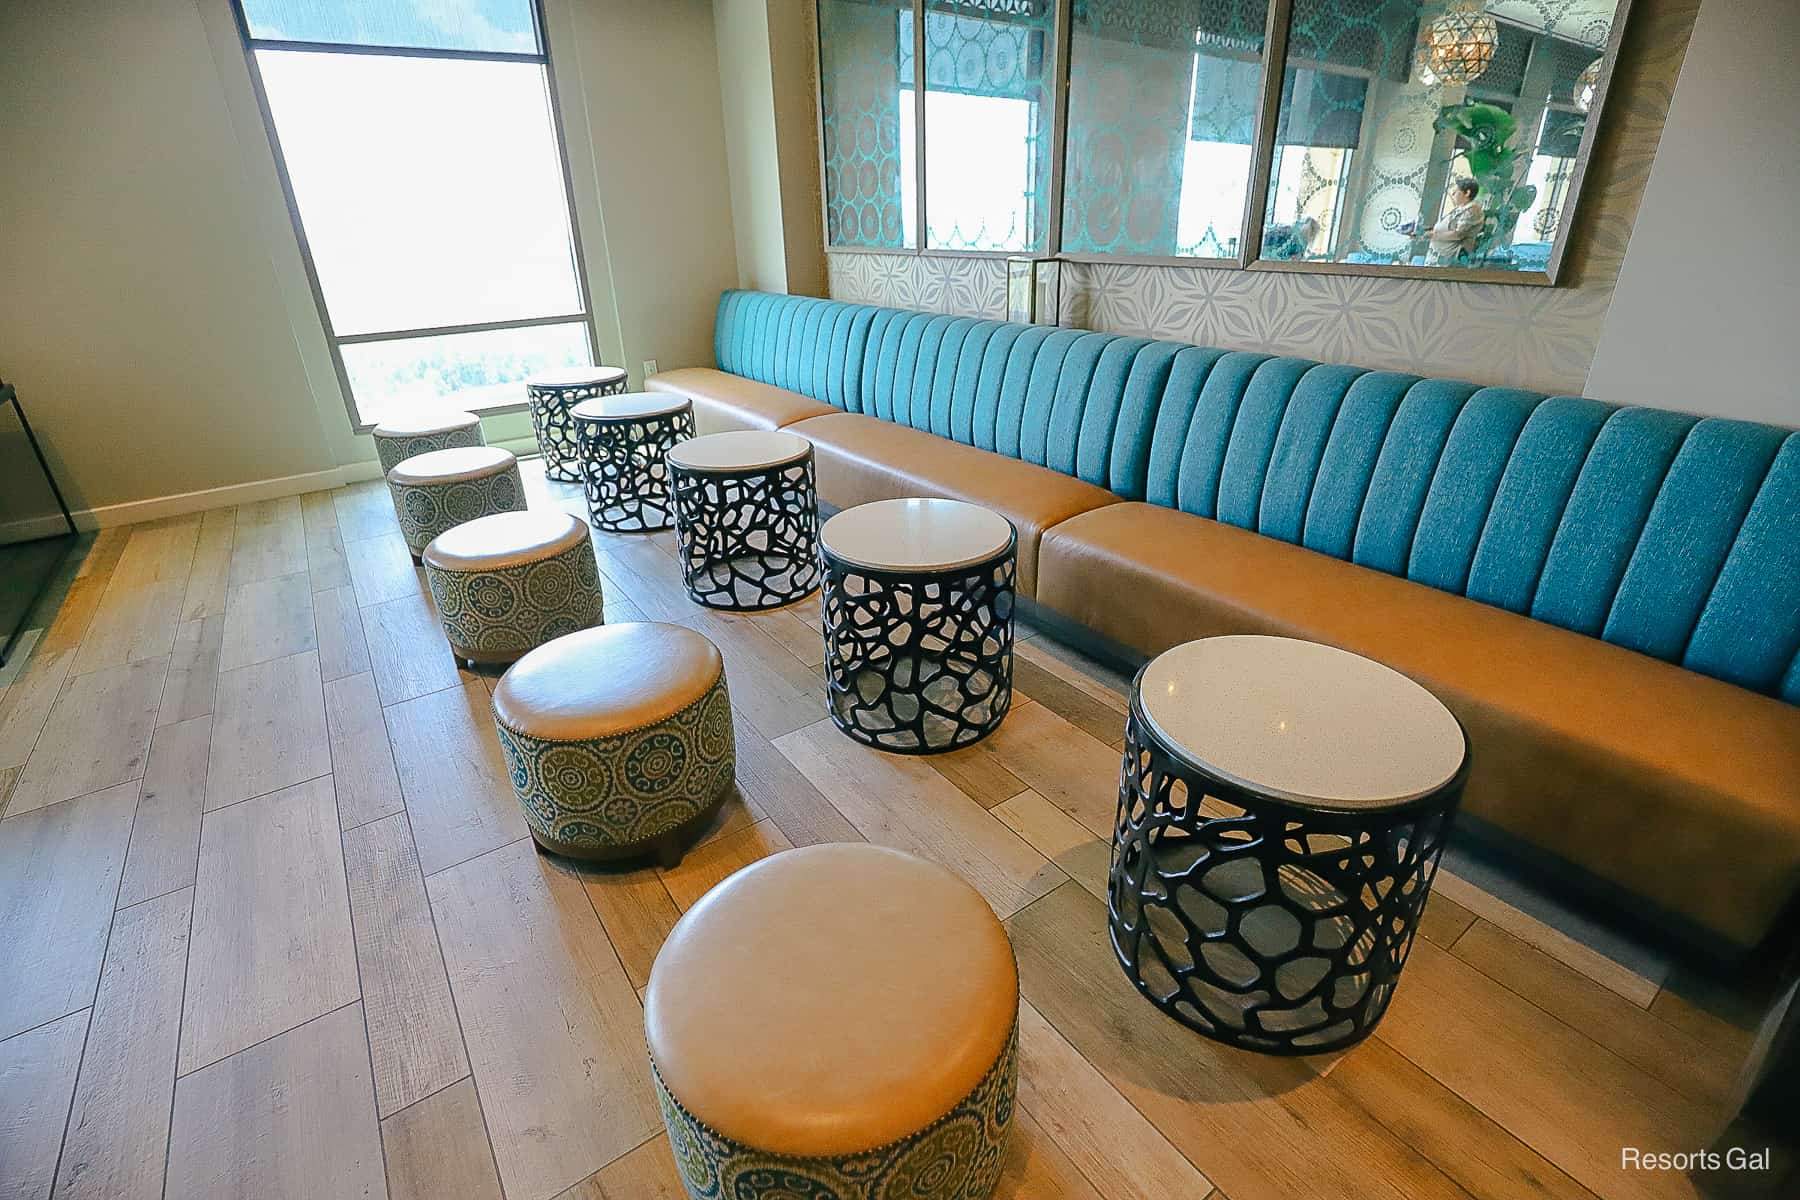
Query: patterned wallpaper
point(1533, 337)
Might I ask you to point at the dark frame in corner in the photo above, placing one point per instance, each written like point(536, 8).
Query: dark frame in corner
point(10, 395)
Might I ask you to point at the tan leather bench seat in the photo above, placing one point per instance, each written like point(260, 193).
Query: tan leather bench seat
point(1556, 719)
point(859, 459)
point(723, 402)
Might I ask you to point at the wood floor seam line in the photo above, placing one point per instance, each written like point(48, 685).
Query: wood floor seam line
point(181, 1074)
point(455, 1006)
point(265, 795)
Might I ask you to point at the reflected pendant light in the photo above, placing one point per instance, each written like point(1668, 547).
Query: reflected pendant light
point(1587, 84)
point(1458, 45)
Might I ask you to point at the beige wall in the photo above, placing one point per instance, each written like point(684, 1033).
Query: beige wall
point(1489, 333)
point(1703, 317)
point(768, 84)
point(639, 85)
point(140, 317)
point(157, 318)
point(747, 89)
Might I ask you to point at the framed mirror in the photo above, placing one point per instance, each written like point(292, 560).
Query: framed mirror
point(1436, 138)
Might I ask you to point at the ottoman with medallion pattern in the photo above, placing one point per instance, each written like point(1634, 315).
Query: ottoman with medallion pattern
point(838, 1022)
point(400, 437)
point(510, 582)
point(436, 491)
point(618, 739)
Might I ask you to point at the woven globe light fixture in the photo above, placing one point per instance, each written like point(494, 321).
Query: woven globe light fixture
point(1587, 84)
point(1457, 46)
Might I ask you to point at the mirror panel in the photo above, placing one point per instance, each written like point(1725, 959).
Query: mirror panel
point(1445, 134)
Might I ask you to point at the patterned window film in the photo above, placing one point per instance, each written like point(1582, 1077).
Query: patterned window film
point(987, 121)
point(1162, 117)
point(860, 114)
point(1368, 120)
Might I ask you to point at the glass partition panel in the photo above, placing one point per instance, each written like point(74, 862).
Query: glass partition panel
point(862, 113)
point(1162, 115)
point(1440, 134)
point(987, 121)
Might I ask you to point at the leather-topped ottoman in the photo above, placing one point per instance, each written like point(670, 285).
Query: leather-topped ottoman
point(618, 739)
point(836, 1021)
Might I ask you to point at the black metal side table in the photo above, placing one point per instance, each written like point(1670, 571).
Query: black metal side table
point(550, 397)
point(623, 442)
point(747, 517)
point(1282, 809)
point(31, 563)
point(918, 614)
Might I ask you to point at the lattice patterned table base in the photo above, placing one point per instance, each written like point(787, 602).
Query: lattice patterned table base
point(919, 662)
point(626, 478)
point(749, 539)
point(1260, 923)
point(557, 437)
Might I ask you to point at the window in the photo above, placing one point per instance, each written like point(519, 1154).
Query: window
point(985, 108)
point(419, 146)
point(1162, 117)
point(1292, 135)
point(986, 111)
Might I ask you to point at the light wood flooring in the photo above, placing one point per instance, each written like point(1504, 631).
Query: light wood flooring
point(271, 927)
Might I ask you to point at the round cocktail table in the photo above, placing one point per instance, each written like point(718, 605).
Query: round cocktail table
point(623, 440)
point(918, 615)
point(550, 397)
point(1282, 809)
point(747, 517)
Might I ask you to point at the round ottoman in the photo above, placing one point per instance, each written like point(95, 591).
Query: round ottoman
point(618, 739)
point(435, 491)
point(509, 583)
point(837, 1023)
point(549, 397)
point(400, 437)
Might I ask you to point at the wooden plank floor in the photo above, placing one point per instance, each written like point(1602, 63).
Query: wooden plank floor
point(270, 925)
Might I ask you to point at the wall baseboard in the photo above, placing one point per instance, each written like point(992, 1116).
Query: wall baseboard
point(184, 503)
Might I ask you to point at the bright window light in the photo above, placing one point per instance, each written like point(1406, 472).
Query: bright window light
point(978, 169)
point(419, 143)
point(430, 189)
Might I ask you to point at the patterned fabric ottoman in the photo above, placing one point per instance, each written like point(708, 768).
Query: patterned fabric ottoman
point(400, 437)
point(434, 491)
point(618, 739)
point(879, 990)
point(509, 583)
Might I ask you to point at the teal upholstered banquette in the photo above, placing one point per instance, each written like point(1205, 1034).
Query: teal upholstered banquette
point(1668, 534)
point(1607, 597)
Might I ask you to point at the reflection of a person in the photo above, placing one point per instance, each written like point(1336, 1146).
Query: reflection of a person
point(1458, 231)
point(1290, 241)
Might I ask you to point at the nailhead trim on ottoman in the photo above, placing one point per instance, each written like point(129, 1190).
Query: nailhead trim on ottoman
point(435, 491)
point(627, 792)
point(836, 1022)
point(510, 582)
point(957, 1158)
point(399, 438)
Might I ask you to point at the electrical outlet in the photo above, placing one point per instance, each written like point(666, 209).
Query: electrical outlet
point(649, 367)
